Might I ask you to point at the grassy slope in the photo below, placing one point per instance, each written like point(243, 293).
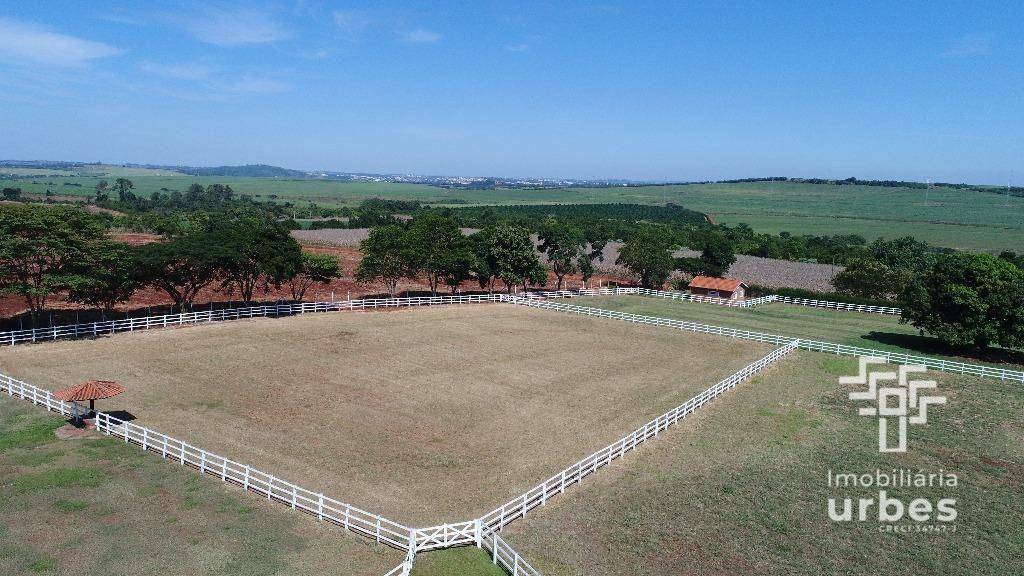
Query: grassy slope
point(740, 487)
point(852, 328)
point(95, 506)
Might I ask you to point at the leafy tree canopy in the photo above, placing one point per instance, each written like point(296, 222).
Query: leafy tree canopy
point(968, 300)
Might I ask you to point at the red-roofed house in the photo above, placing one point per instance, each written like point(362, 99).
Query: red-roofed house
point(728, 288)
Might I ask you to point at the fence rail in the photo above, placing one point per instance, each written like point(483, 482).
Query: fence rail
point(839, 305)
point(35, 395)
point(94, 329)
point(941, 365)
point(505, 556)
point(557, 484)
point(250, 479)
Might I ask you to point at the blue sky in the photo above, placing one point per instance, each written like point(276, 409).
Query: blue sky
point(639, 90)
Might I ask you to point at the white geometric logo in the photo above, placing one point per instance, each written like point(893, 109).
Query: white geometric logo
point(893, 401)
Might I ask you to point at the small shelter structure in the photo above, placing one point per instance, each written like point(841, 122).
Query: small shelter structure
point(91, 390)
point(728, 288)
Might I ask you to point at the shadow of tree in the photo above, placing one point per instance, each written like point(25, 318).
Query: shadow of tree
point(930, 345)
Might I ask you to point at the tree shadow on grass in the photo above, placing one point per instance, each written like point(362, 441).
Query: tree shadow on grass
point(930, 345)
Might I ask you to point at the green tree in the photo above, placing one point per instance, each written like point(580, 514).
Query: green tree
point(181, 267)
point(968, 300)
point(515, 258)
point(386, 257)
point(13, 194)
point(716, 256)
point(102, 191)
point(40, 249)
point(869, 278)
point(439, 250)
point(109, 272)
point(483, 267)
point(124, 187)
point(905, 253)
point(315, 269)
point(255, 253)
point(565, 247)
point(646, 254)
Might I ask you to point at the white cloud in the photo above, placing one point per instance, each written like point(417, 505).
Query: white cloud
point(184, 71)
point(251, 86)
point(970, 45)
point(419, 36)
point(517, 47)
point(350, 23)
point(234, 27)
point(22, 42)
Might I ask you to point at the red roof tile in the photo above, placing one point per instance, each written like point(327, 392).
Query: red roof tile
point(91, 390)
point(721, 284)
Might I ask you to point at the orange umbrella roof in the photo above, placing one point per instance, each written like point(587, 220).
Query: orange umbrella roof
point(89, 390)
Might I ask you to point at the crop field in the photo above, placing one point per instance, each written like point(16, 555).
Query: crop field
point(881, 332)
point(93, 506)
point(422, 415)
point(969, 220)
point(742, 489)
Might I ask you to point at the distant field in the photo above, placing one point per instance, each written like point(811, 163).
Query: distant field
point(741, 487)
point(952, 218)
point(424, 415)
point(93, 506)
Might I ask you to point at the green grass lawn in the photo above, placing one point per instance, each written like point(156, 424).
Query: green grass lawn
point(468, 561)
point(877, 331)
point(95, 506)
point(740, 487)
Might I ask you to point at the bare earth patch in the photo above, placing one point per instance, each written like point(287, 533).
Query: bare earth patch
point(425, 416)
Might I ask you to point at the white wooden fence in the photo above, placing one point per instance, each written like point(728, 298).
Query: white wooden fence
point(93, 329)
point(557, 484)
point(770, 298)
point(250, 479)
point(815, 345)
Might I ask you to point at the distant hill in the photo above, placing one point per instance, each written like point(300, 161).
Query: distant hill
point(249, 171)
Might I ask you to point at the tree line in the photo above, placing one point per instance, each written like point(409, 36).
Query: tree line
point(46, 251)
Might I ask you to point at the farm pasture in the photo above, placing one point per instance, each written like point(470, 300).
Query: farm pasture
point(422, 415)
point(742, 488)
point(93, 506)
point(877, 331)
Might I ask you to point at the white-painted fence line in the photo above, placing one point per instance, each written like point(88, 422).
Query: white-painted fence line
point(557, 484)
point(815, 345)
point(248, 478)
point(96, 329)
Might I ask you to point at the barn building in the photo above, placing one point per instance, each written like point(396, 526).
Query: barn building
point(728, 288)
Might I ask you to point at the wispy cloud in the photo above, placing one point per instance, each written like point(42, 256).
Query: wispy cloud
point(970, 45)
point(351, 23)
point(183, 71)
point(517, 47)
point(233, 27)
point(251, 86)
point(23, 42)
point(419, 36)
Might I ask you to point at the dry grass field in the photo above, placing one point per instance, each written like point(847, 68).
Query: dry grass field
point(741, 487)
point(422, 415)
